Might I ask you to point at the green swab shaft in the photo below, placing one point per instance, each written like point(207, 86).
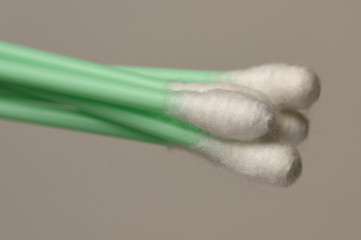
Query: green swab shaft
point(140, 76)
point(31, 95)
point(13, 108)
point(146, 122)
point(168, 74)
point(68, 64)
point(46, 98)
point(58, 75)
point(6, 92)
point(69, 83)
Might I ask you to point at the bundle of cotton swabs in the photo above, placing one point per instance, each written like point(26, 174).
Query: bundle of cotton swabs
point(247, 120)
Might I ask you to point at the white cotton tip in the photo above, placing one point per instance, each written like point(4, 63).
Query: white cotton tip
point(227, 114)
point(203, 86)
point(291, 127)
point(292, 87)
point(271, 163)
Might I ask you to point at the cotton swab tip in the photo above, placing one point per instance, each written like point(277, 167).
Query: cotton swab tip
point(227, 114)
point(292, 87)
point(271, 163)
point(291, 127)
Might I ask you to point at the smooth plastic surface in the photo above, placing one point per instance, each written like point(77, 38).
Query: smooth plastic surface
point(68, 64)
point(147, 122)
point(14, 108)
point(69, 83)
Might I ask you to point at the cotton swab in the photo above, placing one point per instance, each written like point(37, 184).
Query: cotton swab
point(289, 86)
point(292, 87)
point(269, 162)
point(150, 100)
point(197, 116)
point(265, 162)
point(272, 75)
point(19, 108)
point(200, 109)
point(290, 127)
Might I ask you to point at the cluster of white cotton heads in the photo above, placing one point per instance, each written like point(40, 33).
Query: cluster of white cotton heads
point(253, 116)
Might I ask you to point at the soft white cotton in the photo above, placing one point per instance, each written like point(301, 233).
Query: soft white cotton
point(291, 127)
point(292, 87)
point(271, 163)
point(203, 86)
point(228, 114)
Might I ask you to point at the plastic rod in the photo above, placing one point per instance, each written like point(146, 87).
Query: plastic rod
point(69, 83)
point(15, 108)
point(147, 122)
point(68, 64)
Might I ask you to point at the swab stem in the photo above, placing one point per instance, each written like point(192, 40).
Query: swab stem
point(15, 108)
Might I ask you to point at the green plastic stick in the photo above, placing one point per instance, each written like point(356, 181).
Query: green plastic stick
point(68, 64)
point(69, 83)
point(59, 74)
point(154, 78)
point(9, 93)
point(46, 98)
point(147, 122)
point(15, 107)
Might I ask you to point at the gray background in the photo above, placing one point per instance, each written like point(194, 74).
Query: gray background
point(58, 184)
